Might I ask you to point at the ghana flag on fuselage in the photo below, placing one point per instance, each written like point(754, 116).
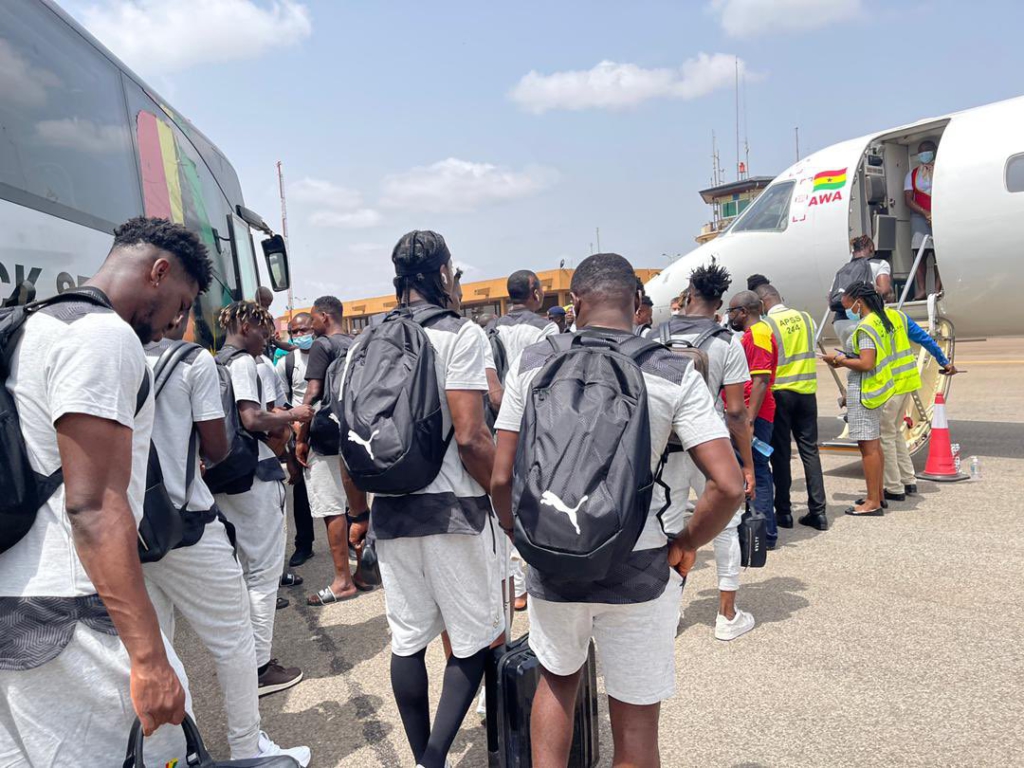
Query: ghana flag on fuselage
point(830, 180)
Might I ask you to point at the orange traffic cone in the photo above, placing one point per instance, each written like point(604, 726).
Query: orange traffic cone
point(941, 466)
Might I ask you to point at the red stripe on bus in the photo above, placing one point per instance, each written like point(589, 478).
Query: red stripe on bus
point(155, 196)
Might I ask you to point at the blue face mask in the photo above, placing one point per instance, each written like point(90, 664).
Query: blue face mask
point(303, 342)
point(925, 157)
point(853, 315)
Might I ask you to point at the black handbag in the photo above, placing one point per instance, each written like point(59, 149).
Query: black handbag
point(196, 755)
point(753, 533)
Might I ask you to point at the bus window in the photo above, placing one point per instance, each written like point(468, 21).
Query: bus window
point(245, 259)
point(67, 143)
point(769, 213)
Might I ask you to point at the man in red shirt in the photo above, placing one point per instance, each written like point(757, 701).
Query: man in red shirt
point(762, 359)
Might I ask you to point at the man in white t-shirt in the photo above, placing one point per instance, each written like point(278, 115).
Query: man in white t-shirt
point(434, 546)
point(881, 275)
point(634, 612)
point(202, 579)
point(520, 328)
point(81, 652)
point(727, 373)
point(258, 513)
point(291, 369)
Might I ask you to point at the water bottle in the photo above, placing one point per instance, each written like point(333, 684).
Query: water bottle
point(762, 447)
point(955, 447)
point(975, 468)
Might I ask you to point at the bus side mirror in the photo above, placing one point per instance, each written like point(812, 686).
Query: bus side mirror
point(277, 262)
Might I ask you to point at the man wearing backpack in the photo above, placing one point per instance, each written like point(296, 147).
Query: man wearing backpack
point(316, 447)
point(727, 376)
point(201, 579)
point(257, 512)
point(511, 334)
point(291, 369)
point(81, 652)
point(419, 442)
point(632, 609)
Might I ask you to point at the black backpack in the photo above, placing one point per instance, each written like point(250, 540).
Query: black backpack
point(853, 271)
point(695, 350)
point(235, 472)
point(391, 423)
point(163, 523)
point(324, 432)
point(499, 352)
point(581, 492)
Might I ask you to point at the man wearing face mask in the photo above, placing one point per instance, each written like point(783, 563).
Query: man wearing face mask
point(762, 358)
point(917, 193)
point(291, 369)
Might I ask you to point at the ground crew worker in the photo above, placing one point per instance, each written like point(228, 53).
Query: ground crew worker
point(899, 469)
point(796, 409)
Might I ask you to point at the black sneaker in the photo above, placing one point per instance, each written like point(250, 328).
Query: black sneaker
point(911, 490)
point(890, 496)
point(282, 602)
point(277, 678)
point(299, 557)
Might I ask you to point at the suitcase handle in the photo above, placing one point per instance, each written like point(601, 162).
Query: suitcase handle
point(196, 755)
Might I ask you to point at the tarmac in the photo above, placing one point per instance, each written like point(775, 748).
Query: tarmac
point(894, 641)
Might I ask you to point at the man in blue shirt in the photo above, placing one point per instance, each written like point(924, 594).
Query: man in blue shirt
point(899, 469)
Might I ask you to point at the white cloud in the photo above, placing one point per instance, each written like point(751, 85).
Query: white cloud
point(156, 37)
point(22, 83)
point(361, 218)
point(324, 194)
point(454, 185)
point(83, 135)
point(752, 18)
point(611, 85)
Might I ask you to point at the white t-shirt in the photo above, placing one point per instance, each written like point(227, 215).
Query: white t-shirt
point(924, 180)
point(677, 403)
point(83, 359)
point(520, 329)
point(298, 382)
point(273, 388)
point(248, 384)
point(192, 388)
point(879, 267)
point(454, 502)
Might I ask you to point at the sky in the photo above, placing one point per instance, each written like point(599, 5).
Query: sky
point(518, 130)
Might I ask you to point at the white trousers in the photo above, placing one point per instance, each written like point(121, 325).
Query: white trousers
point(76, 709)
point(205, 583)
point(258, 517)
point(517, 571)
point(899, 467)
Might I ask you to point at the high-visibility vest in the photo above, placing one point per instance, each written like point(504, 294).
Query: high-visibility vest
point(905, 375)
point(877, 385)
point(794, 336)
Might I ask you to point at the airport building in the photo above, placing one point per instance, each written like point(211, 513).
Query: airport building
point(728, 201)
point(484, 296)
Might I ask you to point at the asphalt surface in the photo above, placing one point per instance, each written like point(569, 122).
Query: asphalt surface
point(883, 641)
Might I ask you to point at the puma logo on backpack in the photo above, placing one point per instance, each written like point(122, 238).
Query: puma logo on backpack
point(549, 499)
point(365, 443)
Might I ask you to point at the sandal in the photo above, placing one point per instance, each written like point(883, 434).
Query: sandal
point(852, 512)
point(860, 502)
point(326, 596)
point(291, 580)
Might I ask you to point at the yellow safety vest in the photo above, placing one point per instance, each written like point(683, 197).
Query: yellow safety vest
point(877, 385)
point(794, 336)
point(904, 362)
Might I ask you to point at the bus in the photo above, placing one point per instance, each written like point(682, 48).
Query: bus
point(85, 145)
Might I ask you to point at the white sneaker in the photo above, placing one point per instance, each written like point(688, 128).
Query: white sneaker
point(481, 703)
point(741, 623)
point(267, 748)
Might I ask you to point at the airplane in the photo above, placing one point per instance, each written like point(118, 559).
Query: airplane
point(798, 236)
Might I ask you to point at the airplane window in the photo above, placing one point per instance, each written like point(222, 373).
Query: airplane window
point(1015, 174)
point(770, 212)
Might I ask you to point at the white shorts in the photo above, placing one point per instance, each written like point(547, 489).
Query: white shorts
point(76, 709)
point(323, 484)
point(635, 642)
point(441, 582)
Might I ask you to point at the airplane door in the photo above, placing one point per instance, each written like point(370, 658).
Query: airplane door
point(978, 218)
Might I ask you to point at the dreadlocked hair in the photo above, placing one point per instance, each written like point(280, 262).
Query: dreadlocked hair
point(711, 281)
point(428, 250)
point(234, 315)
point(866, 292)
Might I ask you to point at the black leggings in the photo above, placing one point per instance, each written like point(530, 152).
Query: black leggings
point(409, 682)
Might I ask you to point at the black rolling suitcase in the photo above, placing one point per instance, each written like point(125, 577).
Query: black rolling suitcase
point(512, 678)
